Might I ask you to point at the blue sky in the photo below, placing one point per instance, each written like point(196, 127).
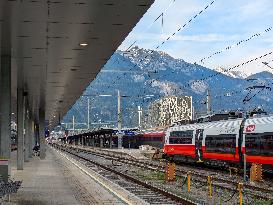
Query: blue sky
point(224, 23)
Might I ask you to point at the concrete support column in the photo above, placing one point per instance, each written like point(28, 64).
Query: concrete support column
point(5, 113)
point(27, 138)
point(37, 138)
point(42, 133)
point(87, 141)
point(82, 140)
point(110, 142)
point(93, 141)
point(20, 128)
point(101, 140)
point(31, 137)
point(5, 107)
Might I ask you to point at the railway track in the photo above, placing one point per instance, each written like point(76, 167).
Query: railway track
point(219, 182)
point(150, 194)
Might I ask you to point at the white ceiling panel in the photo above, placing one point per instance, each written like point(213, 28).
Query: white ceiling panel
point(43, 38)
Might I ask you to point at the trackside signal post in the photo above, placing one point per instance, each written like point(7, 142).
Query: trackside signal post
point(256, 172)
point(170, 172)
point(119, 122)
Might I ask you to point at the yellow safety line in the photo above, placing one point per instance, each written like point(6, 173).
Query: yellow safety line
point(99, 181)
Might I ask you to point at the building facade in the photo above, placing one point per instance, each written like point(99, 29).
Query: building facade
point(168, 110)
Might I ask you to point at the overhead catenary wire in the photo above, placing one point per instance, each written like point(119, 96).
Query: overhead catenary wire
point(262, 88)
point(183, 26)
point(167, 39)
point(229, 46)
point(235, 44)
point(191, 81)
point(152, 23)
point(177, 31)
point(232, 68)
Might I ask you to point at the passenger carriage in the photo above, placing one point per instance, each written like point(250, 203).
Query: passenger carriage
point(258, 140)
point(222, 142)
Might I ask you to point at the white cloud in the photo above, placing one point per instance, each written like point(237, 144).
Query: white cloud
point(255, 8)
point(223, 24)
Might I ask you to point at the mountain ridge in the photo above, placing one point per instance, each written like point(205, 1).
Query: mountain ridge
point(140, 72)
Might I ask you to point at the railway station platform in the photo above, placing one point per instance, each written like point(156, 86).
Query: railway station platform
point(137, 154)
point(134, 153)
point(55, 181)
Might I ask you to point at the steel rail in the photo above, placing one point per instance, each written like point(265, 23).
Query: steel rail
point(180, 172)
point(172, 196)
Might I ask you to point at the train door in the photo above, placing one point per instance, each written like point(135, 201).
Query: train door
point(198, 144)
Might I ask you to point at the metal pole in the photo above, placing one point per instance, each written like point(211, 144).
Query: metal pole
point(244, 167)
point(119, 112)
point(119, 122)
point(192, 110)
point(240, 188)
point(210, 186)
point(88, 113)
point(189, 181)
point(139, 116)
point(73, 123)
point(208, 102)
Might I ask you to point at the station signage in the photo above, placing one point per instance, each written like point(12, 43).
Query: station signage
point(125, 132)
point(129, 133)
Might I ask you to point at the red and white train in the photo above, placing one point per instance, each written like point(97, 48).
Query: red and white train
point(224, 141)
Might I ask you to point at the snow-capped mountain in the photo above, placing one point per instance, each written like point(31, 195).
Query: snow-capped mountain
point(146, 75)
point(232, 73)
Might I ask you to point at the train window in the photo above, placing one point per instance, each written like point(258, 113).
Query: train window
point(259, 144)
point(224, 143)
point(267, 144)
point(252, 144)
point(181, 137)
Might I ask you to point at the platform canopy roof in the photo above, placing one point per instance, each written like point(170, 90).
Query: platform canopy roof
point(43, 38)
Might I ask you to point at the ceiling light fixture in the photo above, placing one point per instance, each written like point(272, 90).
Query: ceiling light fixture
point(83, 44)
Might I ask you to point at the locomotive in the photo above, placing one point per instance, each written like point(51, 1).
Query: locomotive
point(223, 142)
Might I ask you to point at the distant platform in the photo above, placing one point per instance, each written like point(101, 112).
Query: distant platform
point(55, 181)
point(134, 153)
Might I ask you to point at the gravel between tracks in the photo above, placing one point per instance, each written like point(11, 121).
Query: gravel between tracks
point(199, 190)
